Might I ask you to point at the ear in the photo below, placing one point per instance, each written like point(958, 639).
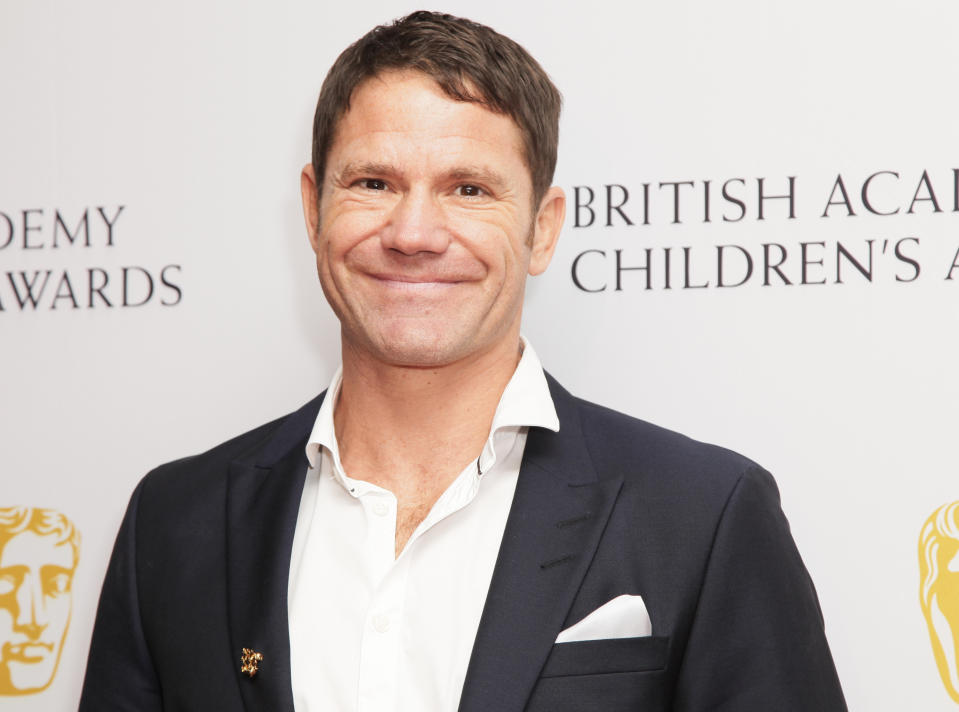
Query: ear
point(546, 229)
point(311, 205)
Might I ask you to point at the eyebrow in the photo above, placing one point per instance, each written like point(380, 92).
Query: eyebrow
point(351, 170)
point(468, 173)
point(478, 174)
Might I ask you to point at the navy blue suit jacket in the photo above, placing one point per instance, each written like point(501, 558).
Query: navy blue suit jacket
point(610, 505)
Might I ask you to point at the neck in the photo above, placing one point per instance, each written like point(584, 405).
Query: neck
point(402, 426)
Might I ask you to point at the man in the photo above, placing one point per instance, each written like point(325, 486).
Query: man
point(39, 550)
point(447, 528)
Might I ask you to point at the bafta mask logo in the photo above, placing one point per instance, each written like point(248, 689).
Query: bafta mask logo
point(939, 590)
point(39, 550)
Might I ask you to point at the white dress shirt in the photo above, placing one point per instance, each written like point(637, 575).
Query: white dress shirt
point(371, 632)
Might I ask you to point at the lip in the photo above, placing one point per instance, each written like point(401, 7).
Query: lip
point(402, 281)
point(27, 652)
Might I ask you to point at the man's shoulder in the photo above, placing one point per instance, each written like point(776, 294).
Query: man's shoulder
point(656, 458)
point(621, 432)
point(672, 481)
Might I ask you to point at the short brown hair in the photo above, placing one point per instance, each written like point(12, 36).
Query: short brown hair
point(469, 62)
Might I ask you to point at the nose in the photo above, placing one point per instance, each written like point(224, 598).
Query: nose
point(416, 224)
point(31, 611)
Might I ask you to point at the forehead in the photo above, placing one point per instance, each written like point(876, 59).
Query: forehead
point(399, 111)
point(31, 549)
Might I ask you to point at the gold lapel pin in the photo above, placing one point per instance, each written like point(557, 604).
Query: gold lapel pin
point(250, 661)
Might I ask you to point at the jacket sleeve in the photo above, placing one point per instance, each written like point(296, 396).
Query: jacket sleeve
point(120, 673)
point(757, 641)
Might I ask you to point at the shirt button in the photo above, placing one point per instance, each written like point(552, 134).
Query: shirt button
point(381, 623)
point(381, 509)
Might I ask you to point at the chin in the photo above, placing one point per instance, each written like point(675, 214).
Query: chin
point(417, 355)
point(421, 348)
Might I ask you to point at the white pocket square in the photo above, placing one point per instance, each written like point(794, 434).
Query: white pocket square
point(623, 617)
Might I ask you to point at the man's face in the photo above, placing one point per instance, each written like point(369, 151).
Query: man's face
point(426, 227)
point(35, 602)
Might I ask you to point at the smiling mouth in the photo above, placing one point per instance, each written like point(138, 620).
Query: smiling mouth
point(26, 652)
point(416, 283)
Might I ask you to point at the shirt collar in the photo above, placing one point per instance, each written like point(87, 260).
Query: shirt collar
point(526, 402)
point(324, 434)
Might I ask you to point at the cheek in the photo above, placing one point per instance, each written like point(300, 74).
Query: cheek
point(346, 224)
point(347, 240)
point(499, 243)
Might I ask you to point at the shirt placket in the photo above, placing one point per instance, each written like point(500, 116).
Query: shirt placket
point(378, 681)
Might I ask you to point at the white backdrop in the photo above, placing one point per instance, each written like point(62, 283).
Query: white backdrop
point(195, 118)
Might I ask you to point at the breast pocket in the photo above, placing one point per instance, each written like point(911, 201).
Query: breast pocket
point(598, 657)
point(619, 675)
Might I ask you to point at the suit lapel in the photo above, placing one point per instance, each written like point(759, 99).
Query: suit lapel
point(557, 517)
point(263, 498)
